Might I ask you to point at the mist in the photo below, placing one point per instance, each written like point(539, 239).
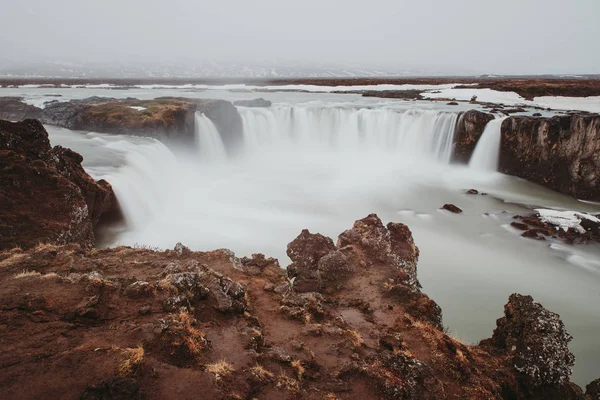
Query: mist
point(469, 36)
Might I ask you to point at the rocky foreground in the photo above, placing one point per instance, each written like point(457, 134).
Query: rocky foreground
point(353, 324)
point(346, 320)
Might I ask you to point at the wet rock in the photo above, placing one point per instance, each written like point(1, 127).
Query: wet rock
point(536, 115)
point(452, 208)
point(520, 226)
point(469, 127)
point(559, 153)
point(452, 103)
point(472, 191)
point(533, 234)
point(260, 102)
point(537, 341)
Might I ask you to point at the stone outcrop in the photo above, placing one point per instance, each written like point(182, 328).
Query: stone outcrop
point(14, 109)
point(537, 342)
point(469, 127)
point(260, 102)
point(168, 119)
point(46, 195)
point(560, 153)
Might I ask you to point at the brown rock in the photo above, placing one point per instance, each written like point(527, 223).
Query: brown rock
point(519, 226)
point(47, 197)
point(452, 208)
point(469, 127)
point(559, 153)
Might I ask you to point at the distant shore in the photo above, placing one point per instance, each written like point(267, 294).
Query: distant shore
point(526, 86)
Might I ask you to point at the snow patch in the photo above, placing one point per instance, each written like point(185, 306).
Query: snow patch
point(565, 219)
point(138, 108)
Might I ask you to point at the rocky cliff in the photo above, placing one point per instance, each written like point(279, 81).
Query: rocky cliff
point(469, 127)
point(561, 153)
point(45, 194)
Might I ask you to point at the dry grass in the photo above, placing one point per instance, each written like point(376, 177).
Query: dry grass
point(193, 338)
point(26, 274)
point(220, 368)
point(51, 275)
point(132, 360)
point(297, 365)
point(261, 372)
point(287, 383)
point(355, 338)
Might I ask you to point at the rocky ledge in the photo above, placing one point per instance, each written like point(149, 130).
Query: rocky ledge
point(560, 153)
point(352, 324)
point(45, 194)
point(169, 119)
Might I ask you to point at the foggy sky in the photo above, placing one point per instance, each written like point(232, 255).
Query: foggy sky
point(507, 36)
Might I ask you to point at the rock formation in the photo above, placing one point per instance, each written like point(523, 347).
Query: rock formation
point(560, 153)
point(260, 102)
point(469, 128)
point(169, 119)
point(46, 195)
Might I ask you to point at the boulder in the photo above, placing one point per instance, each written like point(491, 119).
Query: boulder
point(47, 196)
point(592, 390)
point(536, 340)
point(452, 208)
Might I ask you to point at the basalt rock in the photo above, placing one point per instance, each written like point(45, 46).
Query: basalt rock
point(469, 128)
point(46, 195)
point(537, 342)
point(560, 153)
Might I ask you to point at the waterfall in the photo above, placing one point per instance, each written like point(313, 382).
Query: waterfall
point(487, 152)
point(141, 183)
point(209, 140)
point(412, 133)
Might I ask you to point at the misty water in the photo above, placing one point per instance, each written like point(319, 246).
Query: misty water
point(322, 161)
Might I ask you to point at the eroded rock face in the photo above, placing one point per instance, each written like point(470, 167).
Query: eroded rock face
point(45, 193)
point(560, 153)
point(469, 128)
point(537, 340)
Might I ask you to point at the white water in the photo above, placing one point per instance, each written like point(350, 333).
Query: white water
point(414, 133)
point(321, 167)
point(487, 152)
point(209, 141)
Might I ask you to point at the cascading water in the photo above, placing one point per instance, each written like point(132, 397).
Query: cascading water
point(487, 152)
point(413, 133)
point(209, 140)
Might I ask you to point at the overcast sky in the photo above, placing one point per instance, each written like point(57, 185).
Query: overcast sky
point(507, 36)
